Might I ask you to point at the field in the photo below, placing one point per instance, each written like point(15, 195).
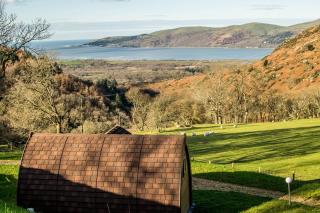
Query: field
point(257, 155)
point(7, 154)
point(137, 72)
point(274, 149)
point(8, 181)
point(252, 155)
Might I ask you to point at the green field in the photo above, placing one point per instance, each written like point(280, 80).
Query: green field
point(257, 155)
point(278, 149)
point(262, 155)
point(7, 154)
point(8, 181)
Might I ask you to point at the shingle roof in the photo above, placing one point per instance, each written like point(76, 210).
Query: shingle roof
point(118, 130)
point(101, 173)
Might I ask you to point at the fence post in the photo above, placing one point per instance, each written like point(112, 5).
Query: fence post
point(293, 175)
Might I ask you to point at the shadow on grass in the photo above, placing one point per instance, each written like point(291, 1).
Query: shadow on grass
point(226, 202)
point(8, 191)
point(7, 154)
point(253, 179)
point(276, 206)
point(267, 144)
point(211, 127)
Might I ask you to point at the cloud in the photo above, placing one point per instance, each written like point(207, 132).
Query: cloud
point(268, 7)
point(20, 1)
point(111, 0)
point(13, 1)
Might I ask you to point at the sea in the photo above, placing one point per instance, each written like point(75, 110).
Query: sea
point(75, 49)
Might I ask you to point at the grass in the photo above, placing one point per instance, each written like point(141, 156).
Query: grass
point(232, 202)
point(7, 154)
point(252, 179)
point(214, 201)
point(309, 191)
point(276, 149)
point(8, 183)
point(280, 206)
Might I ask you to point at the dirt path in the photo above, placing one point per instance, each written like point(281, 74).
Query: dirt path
point(9, 162)
point(203, 184)
point(307, 202)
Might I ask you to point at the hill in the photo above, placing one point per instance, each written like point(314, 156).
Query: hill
point(242, 36)
point(294, 65)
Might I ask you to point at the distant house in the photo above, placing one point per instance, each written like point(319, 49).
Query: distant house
point(105, 173)
point(118, 130)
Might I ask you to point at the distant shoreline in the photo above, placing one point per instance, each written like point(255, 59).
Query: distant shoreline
point(268, 48)
point(70, 50)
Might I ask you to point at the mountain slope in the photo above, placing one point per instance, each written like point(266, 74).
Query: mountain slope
point(246, 35)
point(293, 68)
point(295, 64)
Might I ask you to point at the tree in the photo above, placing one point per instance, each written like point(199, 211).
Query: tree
point(240, 95)
point(316, 101)
point(185, 113)
point(38, 98)
point(214, 96)
point(16, 36)
point(141, 103)
point(161, 113)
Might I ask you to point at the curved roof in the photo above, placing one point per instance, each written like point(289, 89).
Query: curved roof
point(107, 173)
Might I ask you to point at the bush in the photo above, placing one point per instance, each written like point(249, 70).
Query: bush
point(310, 47)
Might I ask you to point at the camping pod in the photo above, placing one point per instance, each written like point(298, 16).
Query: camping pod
point(105, 173)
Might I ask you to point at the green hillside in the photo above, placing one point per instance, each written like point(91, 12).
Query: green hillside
point(246, 35)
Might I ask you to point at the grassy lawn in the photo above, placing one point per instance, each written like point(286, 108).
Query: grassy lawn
point(214, 201)
point(232, 202)
point(8, 181)
point(280, 206)
point(275, 149)
point(7, 154)
point(247, 178)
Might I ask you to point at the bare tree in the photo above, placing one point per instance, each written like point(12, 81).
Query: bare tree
point(161, 112)
point(315, 96)
point(240, 96)
point(141, 106)
point(16, 36)
point(214, 96)
point(36, 95)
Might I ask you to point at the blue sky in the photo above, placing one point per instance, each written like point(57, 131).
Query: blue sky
point(82, 19)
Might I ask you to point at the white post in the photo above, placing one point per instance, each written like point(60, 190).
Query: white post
point(289, 181)
point(289, 194)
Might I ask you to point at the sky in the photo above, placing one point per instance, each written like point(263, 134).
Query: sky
point(91, 19)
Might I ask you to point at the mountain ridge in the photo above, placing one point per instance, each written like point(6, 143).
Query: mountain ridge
point(292, 69)
point(249, 35)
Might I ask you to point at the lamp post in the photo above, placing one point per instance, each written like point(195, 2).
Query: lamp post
point(289, 181)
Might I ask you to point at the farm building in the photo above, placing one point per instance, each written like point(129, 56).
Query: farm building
point(105, 173)
point(118, 130)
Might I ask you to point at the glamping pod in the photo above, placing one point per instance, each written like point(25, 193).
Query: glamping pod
point(105, 173)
